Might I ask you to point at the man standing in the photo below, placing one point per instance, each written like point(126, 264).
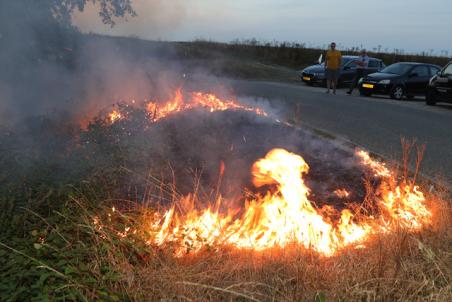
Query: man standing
point(361, 65)
point(333, 60)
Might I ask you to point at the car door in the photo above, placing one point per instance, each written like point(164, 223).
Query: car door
point(348, 72)
point(444, 84)
point(417, 80)
point(374, 66)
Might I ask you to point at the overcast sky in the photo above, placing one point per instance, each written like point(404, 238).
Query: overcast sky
point(412, 25)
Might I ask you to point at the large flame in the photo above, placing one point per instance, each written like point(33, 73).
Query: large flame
point(285, 215)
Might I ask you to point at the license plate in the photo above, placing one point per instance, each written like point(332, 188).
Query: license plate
point(370, 86)
point(306, 78)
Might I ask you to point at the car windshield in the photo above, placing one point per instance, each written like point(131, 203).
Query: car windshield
point(398, 68)
point(344, 61)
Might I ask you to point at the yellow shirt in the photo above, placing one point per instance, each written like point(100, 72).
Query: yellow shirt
point(333, 59)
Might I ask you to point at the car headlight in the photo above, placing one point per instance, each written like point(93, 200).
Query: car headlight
point(384, 82)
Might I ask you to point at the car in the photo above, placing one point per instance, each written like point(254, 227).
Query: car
point(399, 80)
point(315, 74)
point(439, 88)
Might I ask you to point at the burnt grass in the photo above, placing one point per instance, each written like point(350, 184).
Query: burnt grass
point(238, 139)
point(177, 151)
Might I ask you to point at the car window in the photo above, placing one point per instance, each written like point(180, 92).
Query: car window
point(397, 68)
point(374, 64)
point(447, 71)
point(434, 70)
point(422, 71)
point(346, 61)
point(352, 64)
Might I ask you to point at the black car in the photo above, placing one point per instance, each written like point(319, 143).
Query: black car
point(315, 74)
point(404, 79)
point(439, 88)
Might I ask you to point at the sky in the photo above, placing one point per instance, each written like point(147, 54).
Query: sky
point(411, 25)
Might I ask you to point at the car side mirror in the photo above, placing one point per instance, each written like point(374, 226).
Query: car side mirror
point(414, 75)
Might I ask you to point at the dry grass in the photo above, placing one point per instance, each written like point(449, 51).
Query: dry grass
point(400, 266)
point(397, 267)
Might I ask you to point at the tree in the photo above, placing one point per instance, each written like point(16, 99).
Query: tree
point(60, 10)
point(41, 30)
point(32, 29)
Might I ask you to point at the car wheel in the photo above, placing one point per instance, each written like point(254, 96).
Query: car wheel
point(397, 93)
point(430, 98)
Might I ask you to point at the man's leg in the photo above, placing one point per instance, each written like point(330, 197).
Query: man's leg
point(353, 84)
point(335, 78)
point(328, 81)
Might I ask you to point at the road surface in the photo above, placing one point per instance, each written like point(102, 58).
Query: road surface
point(376, 123)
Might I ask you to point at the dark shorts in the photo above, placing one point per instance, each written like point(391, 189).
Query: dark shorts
point(332, 74)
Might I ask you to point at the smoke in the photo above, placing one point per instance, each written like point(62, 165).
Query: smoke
point(52, 76)
point(154, 20)
point(48, 68)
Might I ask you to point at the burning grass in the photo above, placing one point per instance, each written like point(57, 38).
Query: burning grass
point(83, 259)
point(119, 236)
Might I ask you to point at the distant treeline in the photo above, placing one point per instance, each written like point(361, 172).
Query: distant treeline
point(292, 55)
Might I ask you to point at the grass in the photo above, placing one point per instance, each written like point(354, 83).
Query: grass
point(60, 240)
point(68, 255)
point(404, 267)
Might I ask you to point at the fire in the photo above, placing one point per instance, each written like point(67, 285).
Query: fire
point(182, 102)
point(378, 169)
point(285, 215)
point(114, 116)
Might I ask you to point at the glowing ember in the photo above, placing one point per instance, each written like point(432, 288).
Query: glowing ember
point(286, 215)
point(341, 193)
point(114, 116)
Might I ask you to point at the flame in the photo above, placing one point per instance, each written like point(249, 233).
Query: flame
point(207, 101)
point(379, 169)
point(286, 215)
point(114, 116)
point(194, 100)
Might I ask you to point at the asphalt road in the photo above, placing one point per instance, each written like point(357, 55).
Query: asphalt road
point(376, 123)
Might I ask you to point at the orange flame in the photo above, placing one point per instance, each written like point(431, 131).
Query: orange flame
point(288, 216)
point(379, 169)
point(195, 100)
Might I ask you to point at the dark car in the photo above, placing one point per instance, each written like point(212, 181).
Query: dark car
point(439, 88)
point(404, 79)
point(315, 74)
